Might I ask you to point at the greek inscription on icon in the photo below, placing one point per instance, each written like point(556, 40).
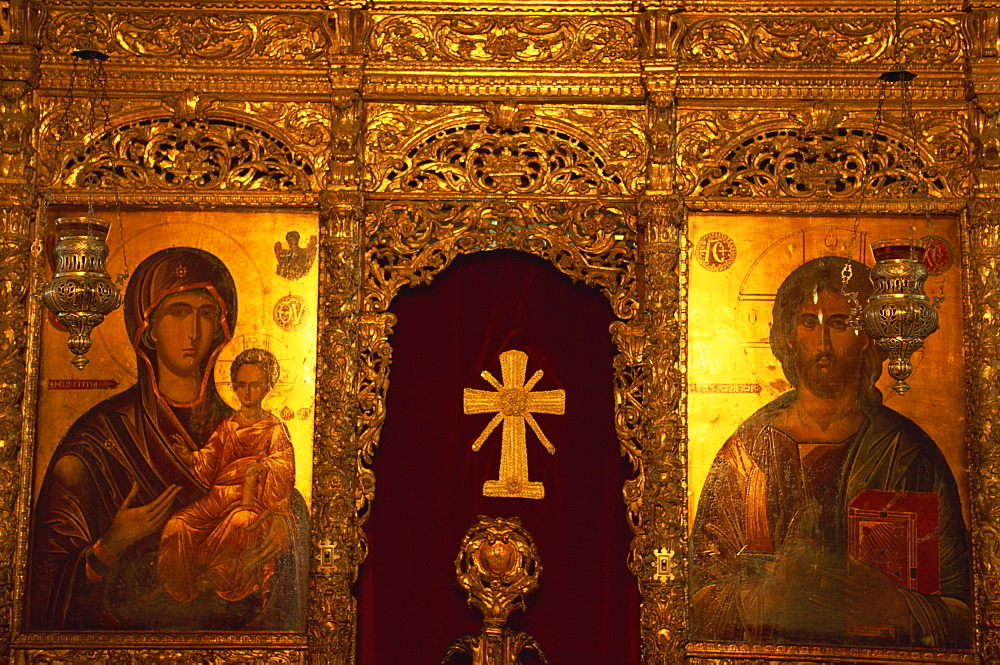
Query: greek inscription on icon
point(289, 312)
point(939, 256)
point(715, 252)
point(294, 262)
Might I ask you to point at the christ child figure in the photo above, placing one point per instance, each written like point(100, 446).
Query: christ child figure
point(229, 540)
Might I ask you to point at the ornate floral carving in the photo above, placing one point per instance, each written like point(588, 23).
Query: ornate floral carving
point(258, 656)
point(18, 201)
point(578, 152)
point(982, 280)
point(855, 39)
point(503, 38)
point(14, 271)
point(779, 159)
point(175, 154)
point(331, 612)
point(195, 34)
point(18, 119)
point(663, 509)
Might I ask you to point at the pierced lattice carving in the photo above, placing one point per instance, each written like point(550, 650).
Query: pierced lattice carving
point(174, 154)
point(782, 161)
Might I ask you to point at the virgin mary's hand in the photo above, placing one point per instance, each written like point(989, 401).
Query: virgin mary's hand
point(133, 524)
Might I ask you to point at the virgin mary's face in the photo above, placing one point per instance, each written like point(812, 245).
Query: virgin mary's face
point(183, 327)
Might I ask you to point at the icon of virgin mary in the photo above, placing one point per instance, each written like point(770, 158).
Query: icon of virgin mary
point(115, 477)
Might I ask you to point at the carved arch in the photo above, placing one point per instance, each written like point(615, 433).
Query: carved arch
point(779, 159)
point(193, 153)
point(509, 151)
point(410, 242)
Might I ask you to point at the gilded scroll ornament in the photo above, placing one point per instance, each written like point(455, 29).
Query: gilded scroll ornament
point(189, 154)
point(513, 402)
point(413, 241)
point(484, 38)
point(337, 540)
point(792, 159)
point(578, 151)
point(211, 36)
point(861, 39)
point(497, 566)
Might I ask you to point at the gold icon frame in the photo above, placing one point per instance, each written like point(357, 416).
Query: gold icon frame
point(656, 115)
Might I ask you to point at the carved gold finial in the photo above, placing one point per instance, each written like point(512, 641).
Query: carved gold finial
point(513, 404)
point(497, 565)
point(508, 114)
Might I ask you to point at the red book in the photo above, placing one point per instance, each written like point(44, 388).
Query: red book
point(897, 533)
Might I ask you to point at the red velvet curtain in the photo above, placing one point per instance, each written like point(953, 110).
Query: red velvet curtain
point(429, 481)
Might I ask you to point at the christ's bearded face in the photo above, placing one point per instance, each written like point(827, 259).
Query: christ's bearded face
point(826, 350)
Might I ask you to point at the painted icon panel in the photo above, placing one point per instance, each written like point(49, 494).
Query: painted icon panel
point(825, 507)
point(172, 474)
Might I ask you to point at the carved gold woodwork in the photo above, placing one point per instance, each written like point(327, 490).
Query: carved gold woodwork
point(497, 566)
point(496, 39)
point(412, 237)
point(820, 39)
point(193, 34)
point(192, 143)
point(819, 153)
point(581, 133)
point(502, 148)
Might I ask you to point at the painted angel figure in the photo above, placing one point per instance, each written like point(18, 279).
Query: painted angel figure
point(294, 261)
point(229, 540)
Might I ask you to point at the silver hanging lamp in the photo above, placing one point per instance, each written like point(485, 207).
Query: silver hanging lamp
point(898, 316)
point(81, 292)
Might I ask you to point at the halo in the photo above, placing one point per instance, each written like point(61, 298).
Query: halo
point(761, 282)
point(110, 339)
point(286, 378)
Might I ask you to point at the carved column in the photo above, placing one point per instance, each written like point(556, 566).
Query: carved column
point(335, 526)
point(982, 307)
point(663, 577)
point(19, 71)
point(332, 611)
point(664, 619)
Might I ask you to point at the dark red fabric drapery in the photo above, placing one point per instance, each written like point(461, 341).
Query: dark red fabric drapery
point(429, 481)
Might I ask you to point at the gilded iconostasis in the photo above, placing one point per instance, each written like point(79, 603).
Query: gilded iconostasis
point(500, 332)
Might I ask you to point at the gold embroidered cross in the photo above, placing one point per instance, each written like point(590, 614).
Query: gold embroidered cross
point(514, 403)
